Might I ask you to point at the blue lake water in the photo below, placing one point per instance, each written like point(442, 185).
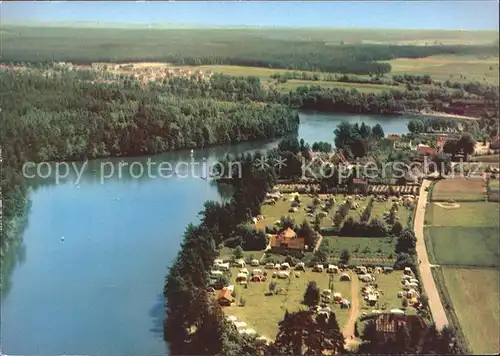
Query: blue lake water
point(89, 272)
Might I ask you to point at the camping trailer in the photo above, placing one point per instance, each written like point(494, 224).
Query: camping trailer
point(345, 277)
point(318, 268)
point(332, 269)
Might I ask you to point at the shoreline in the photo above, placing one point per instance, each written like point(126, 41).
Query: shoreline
point(441, 115)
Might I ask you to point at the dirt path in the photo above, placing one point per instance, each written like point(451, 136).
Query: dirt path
point(435, 305)
point(318, 243)
point(348, 330)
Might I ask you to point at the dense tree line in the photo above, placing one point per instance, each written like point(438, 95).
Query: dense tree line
point(211, 46)
point(356, 140)
point(408, 339)
point(65, 118)
point(442, 124)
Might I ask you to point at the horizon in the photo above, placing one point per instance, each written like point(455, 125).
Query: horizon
point(387, 15)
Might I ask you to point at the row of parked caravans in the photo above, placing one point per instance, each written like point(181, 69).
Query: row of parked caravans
point(285, 266)
point(404, 189)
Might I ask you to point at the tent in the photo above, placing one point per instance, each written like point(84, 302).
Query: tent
point(240, 324)
point(318, 268)
point(283, 275)
point(285, 266)
point(345, 277)
point(240, 263)
point(366, 277)
point(257, 272)
point(332, 269)
point(224, 266)
point(258, 278)
point(244, 270)
point(344, 303)
point(225, 298)
point(254, 263)
point(300, 266)
point(397, 311)
point(241, 277)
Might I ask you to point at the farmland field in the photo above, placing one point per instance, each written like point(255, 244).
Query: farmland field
point(453, 68)
point(464, 246)
point(494, 184)
point(263, 313)
point(467, 235)
point(459, 189)
point(474, 294)
point(467, 215)
point(494, 190)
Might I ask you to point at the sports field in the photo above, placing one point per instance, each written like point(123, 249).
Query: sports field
point(474, 294)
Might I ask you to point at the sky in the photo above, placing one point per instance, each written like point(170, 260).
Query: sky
point(437, 14)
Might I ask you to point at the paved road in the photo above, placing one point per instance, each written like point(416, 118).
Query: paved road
point(435, 305)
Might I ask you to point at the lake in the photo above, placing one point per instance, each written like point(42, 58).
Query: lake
point(88, 275)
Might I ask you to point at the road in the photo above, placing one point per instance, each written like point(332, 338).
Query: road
point(348, 330)
point(435, 304)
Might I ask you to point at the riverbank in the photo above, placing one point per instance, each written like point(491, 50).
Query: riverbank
point(441, 115)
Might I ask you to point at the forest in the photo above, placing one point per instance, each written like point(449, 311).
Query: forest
point(63, 118)
point(254, 48)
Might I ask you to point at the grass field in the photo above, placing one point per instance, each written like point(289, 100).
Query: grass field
point(464, 246)
point(360, 247)
point(293, 84)
point(491, 159)
point(263, 313)
point(467, 215)
point(453, 68)
point(474, 294)
point(272, 213)
point(459, 189)
point(468, 235)
point(494, 184)
point(494, 189)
